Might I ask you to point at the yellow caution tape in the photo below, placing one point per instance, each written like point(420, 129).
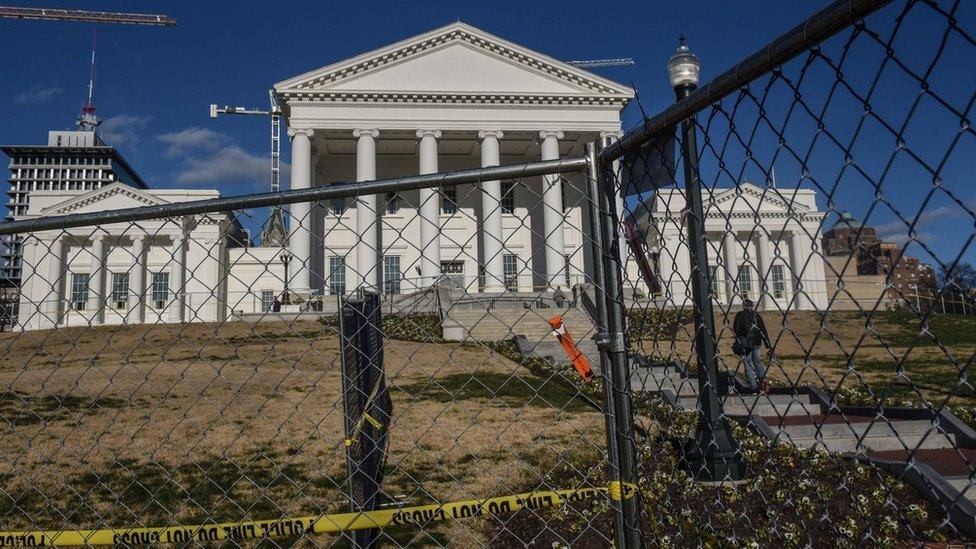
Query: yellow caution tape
point(416, 515)
point(620, 490)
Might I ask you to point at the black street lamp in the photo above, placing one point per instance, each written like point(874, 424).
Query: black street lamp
point(713, 453)
point(286, 295)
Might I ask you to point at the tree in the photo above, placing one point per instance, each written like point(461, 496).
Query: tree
point(958, 278)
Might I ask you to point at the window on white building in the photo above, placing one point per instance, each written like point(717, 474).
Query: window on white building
point(510, 271)
point(337, 275)
point(566, 262)
point(160, 290)
point(449, 200)
point(713, 280)
point(745, 281)
point(79, 291)
point(267, 300)
point(392, 203)
point(120, 290)
point(338, 206)
point(508, 197)
point(391, 274)
point(779, 282)
point(454, 270)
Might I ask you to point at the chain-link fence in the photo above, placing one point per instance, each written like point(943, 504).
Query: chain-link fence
point(807, 225)
point(749, 320)
point(169, 381)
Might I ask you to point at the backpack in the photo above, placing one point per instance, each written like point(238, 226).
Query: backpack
point(741, 346)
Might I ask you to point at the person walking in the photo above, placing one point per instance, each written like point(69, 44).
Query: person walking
point(559, 297)
point(750, 335)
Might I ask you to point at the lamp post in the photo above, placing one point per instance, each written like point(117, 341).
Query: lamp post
point(713, 453)
point(286, 295)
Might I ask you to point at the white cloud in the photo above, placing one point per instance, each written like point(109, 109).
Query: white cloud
point(193, 140)
point(37, 95)
point(123, 129)
point(897, 231)
point(229, 164)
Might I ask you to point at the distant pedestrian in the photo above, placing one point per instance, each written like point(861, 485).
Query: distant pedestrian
point(750, 334)
point(559, 297)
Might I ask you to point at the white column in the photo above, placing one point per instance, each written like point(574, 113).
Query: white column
point(300, 239)
point(762, 265)
point(552, 215)
point(366, 271)
point(430, 233)
point(731, 265)
point(96, 281)
point(491, 211)
point(137, 281)
point(666, 253)
point(178, 280)
point(56, 279)
point(798, 257)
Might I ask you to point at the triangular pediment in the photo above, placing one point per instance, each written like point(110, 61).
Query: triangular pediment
point(748, 197)
point(456, 59)
point(116, 196)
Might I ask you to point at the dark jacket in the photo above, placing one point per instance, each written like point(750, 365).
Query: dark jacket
point(750, 325)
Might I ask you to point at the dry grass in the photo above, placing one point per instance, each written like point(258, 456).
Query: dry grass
point(845, 349)
point(154, 425)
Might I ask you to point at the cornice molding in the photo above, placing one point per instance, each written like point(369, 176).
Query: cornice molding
point(453, 99)
point(101, 194)
point(370, 62)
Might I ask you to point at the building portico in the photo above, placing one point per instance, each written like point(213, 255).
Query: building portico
point(454, 98)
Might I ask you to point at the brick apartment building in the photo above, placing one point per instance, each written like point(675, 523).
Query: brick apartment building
point(875, 257)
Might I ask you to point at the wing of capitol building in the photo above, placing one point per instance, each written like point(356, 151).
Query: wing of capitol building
point(454, 98)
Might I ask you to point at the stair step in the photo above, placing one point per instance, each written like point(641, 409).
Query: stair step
point(879, 443)
point(767, 410)
point(965, 486)
point(858, 428)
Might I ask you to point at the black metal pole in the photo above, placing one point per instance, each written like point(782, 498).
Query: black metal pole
point(613, 343)
point(713, 454)
point(609, 414)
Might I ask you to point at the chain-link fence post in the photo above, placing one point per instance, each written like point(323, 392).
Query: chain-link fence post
point(613, 349)
point(367, 406)
point(600, 306)
point(713, 453)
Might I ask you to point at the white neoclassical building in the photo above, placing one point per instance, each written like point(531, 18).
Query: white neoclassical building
point(169, 270)
point(450, 99)
point(453, 98)
point(763, 244)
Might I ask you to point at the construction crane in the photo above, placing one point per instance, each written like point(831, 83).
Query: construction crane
point(274, 233)
point(84, 16)
point(593, 63)
point(87, 121)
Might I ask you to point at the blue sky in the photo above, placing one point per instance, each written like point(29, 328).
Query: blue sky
point(154, 85)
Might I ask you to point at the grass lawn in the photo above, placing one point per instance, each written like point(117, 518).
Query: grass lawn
point(891, 351)
point(176, 424)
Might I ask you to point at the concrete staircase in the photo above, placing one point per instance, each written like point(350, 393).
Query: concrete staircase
point(800, 418)
point(502, 322)
point(936, 454)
